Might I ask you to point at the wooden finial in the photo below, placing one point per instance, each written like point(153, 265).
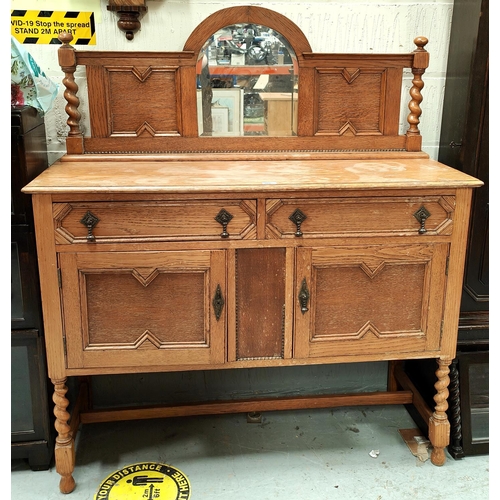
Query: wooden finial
point(65, 38)
point(420, 42)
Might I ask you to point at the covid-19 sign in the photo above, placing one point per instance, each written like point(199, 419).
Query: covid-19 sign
point(44, 26)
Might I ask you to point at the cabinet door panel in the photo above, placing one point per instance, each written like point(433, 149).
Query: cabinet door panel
point(260, 303)
point(143, 308)
point(369, 300)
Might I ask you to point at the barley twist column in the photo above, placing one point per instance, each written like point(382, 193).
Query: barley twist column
point(416, 99)
point(65, 446)
point(420, 63)
point(67, 61)
point(439, 426)
point(455, 412)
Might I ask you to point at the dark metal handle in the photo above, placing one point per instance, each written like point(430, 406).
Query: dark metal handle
point(218, 302)
point(90, 221)
point(422, 214)
point(298, 217)
point(223, 218)
point(304, 297)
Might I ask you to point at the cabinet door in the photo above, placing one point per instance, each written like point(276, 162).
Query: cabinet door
point(144, 309)
point(369, 300)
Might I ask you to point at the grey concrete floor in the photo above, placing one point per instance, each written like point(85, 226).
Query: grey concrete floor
point(306, 454)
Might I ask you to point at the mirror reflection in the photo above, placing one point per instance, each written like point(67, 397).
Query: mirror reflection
point(247, 83)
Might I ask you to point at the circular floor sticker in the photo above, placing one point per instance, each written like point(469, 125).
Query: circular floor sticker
point(147, 481)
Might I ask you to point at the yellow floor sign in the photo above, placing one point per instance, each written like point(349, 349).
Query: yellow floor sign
point(147, 481)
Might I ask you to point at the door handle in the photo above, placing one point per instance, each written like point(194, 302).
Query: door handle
point(304, 297)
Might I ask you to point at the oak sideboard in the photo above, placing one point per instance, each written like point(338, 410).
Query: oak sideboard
point(172, 238)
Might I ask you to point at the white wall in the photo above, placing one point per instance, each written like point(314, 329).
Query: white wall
point(358, 26)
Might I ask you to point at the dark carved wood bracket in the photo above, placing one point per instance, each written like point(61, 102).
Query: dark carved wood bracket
point(128, 12)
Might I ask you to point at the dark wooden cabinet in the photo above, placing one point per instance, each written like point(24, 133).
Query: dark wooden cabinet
point(464, 146)
point(31, 420)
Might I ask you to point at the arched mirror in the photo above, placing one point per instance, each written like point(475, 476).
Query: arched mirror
point(247, 79)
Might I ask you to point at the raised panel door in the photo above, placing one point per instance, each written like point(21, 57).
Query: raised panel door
point(366, 300)
point(133, 309)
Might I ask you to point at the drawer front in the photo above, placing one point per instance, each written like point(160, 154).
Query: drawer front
point(326, 217)
point(154, 221)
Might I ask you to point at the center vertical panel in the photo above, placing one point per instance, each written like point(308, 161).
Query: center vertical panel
point(260, 303)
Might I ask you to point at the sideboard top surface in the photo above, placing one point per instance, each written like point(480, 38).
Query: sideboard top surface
point(244, 176)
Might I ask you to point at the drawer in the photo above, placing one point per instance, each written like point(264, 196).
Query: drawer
point(370, 216)
point(118, 221)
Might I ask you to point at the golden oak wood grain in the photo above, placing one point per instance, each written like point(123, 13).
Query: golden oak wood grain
point(257, 404)
point(158, 284)
point(149, 308)
point(455, 274)
point(204, 177)
point(260, 303)
point(405, 279)
point(49, 286)
point(358, 216)
point(346, 101)
point(147, 221)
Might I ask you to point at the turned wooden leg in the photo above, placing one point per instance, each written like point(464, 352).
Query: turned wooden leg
point(439, 426)
point(65, 446)
point(455, 414)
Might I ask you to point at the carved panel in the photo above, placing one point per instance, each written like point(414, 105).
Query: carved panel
point(153, 109)
point(400, 286)
point(345, 101)
point(131, 309)
point(394, 294)
point(154, 221)
point(124, 311)
point(358, 216)
point(350, 101)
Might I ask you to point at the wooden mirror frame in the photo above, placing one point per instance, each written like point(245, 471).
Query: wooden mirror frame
point(145, 102)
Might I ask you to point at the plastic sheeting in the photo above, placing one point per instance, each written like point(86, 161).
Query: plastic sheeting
point(29, 84)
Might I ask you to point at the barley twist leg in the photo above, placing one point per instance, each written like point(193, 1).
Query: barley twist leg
point(65, 446)
point(439, 425)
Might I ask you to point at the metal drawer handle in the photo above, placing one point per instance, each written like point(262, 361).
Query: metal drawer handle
point(422, 214)
point(218, 302)
point(90, 221)
point(304, 297)
point(224, 218)
point(298, 217)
